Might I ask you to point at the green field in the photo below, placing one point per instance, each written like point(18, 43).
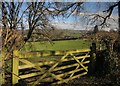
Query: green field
point(57, 45)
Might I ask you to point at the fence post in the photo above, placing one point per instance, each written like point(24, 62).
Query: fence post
point(91, 68)
point(15, 64)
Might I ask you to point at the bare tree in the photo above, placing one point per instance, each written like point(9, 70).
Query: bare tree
point(37, 17)
point(10, 21)
point(95, 19)
point(13, 15)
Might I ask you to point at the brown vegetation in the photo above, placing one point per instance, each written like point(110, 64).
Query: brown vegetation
point(100, 34)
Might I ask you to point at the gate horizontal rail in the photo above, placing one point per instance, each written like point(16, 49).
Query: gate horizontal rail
point(31, 54)
point(71, 65)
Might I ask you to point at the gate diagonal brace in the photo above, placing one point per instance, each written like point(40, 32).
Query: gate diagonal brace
point(79, 62)
point(30, 63)
point(84, 58)
point(78, 65)
point(54, 76)
point(75, 69)
point(50, 70)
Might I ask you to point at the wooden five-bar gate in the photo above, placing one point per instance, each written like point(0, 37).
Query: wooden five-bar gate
point(71, 65)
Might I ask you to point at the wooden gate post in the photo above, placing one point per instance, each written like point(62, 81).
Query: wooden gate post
point(15, 64)
point(91, 68)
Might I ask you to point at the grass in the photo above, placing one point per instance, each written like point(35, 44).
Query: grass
point(57, 45)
